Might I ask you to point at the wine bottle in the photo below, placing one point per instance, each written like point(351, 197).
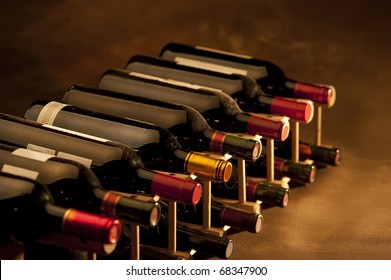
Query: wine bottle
point(27, 211)
point(320, 154)
point(74, 185)
point(107, 101)
point(222, 215)
point(219, 109)
point(185, 123)
point(256, 190)
point(117, 167)
point(43, 247)
point(243, 89)
point(301, 172)
point(157, 147)
point(188, 239)
point(270, 77)
point(147, 252)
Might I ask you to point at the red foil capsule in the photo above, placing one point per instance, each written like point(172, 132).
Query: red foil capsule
point(322, 94)
point(268, 127)
point(91, 226)
point(172, 187)
point(299, 110)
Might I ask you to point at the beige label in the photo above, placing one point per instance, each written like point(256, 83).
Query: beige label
point(76, 133)
point(209, 66)
point(18, 171)
point(173, 82)
point(32, 154)
point(41, 149)
point(49, 112)
point(85, 161)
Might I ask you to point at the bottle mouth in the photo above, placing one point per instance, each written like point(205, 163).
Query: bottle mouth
point(114, 232)
point(285, 128)
point(337, 160)
point(229, 249)
point(257, 151)
point(154, 217)
point(331, 95)
point(258, 223)
point(285, 200)
point(312, 174)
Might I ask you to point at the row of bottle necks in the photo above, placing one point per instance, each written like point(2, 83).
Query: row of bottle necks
point(85, 172)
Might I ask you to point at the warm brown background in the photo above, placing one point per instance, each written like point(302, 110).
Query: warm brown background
point(48, 45)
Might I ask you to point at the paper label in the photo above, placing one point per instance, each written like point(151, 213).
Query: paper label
point(32, 154)
point(18, 171)
point(209, 66)
point(40, 149)
point(49, 112)
point(76, 133)
point(85, 161)
point(173, 82)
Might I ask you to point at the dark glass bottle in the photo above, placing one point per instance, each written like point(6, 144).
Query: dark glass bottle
point(117, 166)
point(27, 211)
point(270, 77)
point(157, 147)
point(222, 215)
point(269, 193)
point(243, 89)
point(188, 126)
point(74, 185)
point(320, 154)
point(188, 239)
point(218, 108)
point(300, 172)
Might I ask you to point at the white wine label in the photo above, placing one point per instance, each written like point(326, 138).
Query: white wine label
point(76, 133)
point(209, 66)
point(173, 82)
point(223, 52)
point(40, 149)
point(49, 112)
point(85, 161)
point(32, 154)
point(18, 171)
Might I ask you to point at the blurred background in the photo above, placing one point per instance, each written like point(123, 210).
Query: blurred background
point(46, 46)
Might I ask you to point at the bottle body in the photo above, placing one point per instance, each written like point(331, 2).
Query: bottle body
point(27, 204)
point(270, 78)
point(189, 239)
point(301, 172)
point(186, 124)
point(222, 215)
point(320, 154)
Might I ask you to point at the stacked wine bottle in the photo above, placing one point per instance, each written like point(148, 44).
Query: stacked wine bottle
point(164, 159)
